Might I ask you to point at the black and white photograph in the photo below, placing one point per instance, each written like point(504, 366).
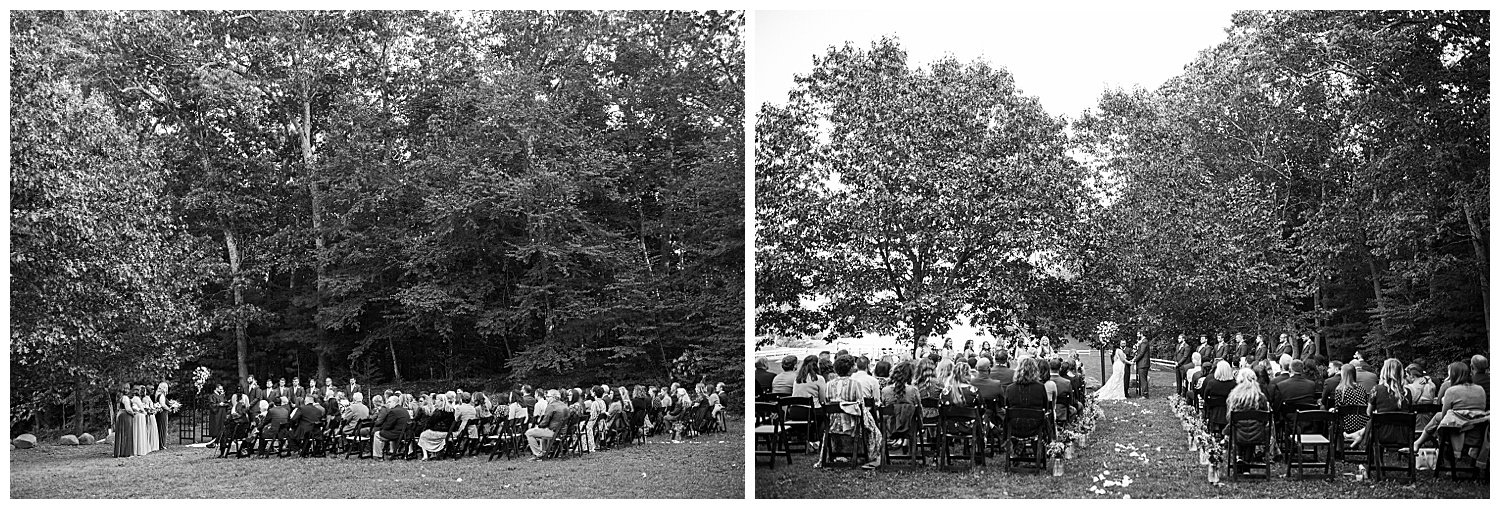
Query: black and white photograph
point(1190, 254)
point(377, 254)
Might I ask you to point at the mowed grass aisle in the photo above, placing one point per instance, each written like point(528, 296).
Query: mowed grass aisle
point(1138, 450)
point(706, 466)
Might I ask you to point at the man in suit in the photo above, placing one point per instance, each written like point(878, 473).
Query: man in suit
point(1241, 352)
point(1001, 372)
point(1142, 361)
point(354, 412)
point(276, 416)
point(1309, 348)
point(389, 428)
point(273, 395)
point(1260, 348)
point(1283, 347)
point(1065, 404)
point(1205, 349)
point(1221, 351)
point(1365, 378)
point(297, 393)
point(306, 419)
point(1284, 373)
point(987, 388)
point(1331, 381)
point(1298, 389)
point(254, 392)
point(1184, 359)
point(353, 387)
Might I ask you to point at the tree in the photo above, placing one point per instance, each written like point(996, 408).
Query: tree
point(898, 199)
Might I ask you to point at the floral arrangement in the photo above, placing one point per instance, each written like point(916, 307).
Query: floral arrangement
point(1056, 449)
point(200, 377)
point(1215, 449)
point(1107, 331)
point(173, 406)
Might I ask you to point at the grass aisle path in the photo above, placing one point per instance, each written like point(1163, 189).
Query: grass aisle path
point(706, 466)
point(1138, 450)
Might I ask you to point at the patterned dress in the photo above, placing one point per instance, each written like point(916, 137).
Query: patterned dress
point(1353, 396)
point(844, 391)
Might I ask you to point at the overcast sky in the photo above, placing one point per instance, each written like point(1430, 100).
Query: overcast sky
point(1066, 59)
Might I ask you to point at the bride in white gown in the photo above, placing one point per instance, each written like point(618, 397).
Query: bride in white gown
point(1114, 388)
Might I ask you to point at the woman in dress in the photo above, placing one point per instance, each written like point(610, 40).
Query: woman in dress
point(1463, 402)
point(1114, 388)
point(163, 414)
point(956, 390)
point(140, 424)
point(153, 434)
point(850, 396)
point(124, 431)
point(808, 383)
point(1028, 392)
point(1349, 393)
point(968, 348)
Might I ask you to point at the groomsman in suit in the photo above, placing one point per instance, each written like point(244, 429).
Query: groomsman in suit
point(1283, 346)
point(1260, 348)
point(1221, 350)
point(353, 387)
point(297, 393)
point(1205, 349)
point(1241, 351)
point(1142, 360)
point(1309, 348)
point(254, 392)
point(273, 395)
point(1184, 359)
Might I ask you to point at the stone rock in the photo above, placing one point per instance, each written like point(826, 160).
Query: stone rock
point(25, 441)
point(67, 440)
point(86, 439)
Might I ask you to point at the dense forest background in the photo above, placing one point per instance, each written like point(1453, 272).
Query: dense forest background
point(547, 197)
point(1318, 172)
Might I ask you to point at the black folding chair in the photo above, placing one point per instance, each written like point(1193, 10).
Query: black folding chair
point(358, 440)
point(961, 425)
point(887, 416)
point(1312, 431)
point(1391, 431)
point(860, 438)
point(1025, 438)
point(1350, 451)
point(800, 417)
point(1472, 439)
point(1249, 429)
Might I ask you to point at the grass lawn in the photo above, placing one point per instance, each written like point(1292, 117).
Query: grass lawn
point(707, 466)
point(1136, 438)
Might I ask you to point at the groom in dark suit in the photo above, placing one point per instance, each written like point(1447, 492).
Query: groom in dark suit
point(1142, 360)
point(1183, 358)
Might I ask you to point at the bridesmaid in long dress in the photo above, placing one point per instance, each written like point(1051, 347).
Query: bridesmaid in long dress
point(124, 426)
point(163, 416)
point(138, 426)
point(153, 441)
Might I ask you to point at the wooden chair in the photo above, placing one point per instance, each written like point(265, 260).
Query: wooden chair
point(962, 425)
point(406, 446)
point(1248, 429)
point(800, 420)
point(1028, 446)
point(1216, 414)
point(928, 446)
point(1472, 439)
point(886, 419)
point(357, 440)
point(230, 434)
point(1391, 430)
point(1349, 451)
point(1322, 425)
point(861, 437)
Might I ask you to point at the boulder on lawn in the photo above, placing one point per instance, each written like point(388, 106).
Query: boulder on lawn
point(86, 439)
point(25, 441)
point(67, 440)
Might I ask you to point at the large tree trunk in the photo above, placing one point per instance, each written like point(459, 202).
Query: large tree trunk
point(395, 364)
point(1479, 238)
point(241, 344)
point(319, 243)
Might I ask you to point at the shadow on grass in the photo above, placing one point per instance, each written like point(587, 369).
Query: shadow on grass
point(706, 466)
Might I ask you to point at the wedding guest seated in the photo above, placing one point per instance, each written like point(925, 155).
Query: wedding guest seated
point(1297, 389)
point(763, 377)
point(957, 390)
point(307, 417)
point(553, 421)
point(1464, 404)
point(850, 396)
point(1479, 371)
point(274, 417)
point(901, 396)
point(862, 376)
point(808, 383)
point(1218, 388)
point(1334, 377)
point(882, 374)
point(435, 437)
point(782, 383)
point(1349, 393)
point(1028, 392)
point(1421, 387)
point(466, 414)
point(1365, 378)
point(929, 386)
point(1247, 396)
point(1000, 371)
point(986, 388)
point(1194, 379)
point(354, 412)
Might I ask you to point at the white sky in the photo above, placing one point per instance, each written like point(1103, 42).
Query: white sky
point(1065, 58)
